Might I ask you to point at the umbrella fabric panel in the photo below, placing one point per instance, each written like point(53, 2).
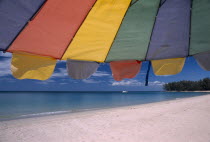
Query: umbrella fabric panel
point(168, 66)
point(14, 15)
point(203, 60)
point(200, 27)
point(170, 37)
point(51, 31)
point(26, 66)
point(125, 69)
point(134, 34)
point(93, 40)
point(81, 69)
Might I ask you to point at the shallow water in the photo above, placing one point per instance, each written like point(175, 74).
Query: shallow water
point(14, 105)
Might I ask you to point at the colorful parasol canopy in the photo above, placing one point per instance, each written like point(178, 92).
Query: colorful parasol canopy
point(123, 33)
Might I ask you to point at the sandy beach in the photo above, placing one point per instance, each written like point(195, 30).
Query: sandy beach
point(182, 120)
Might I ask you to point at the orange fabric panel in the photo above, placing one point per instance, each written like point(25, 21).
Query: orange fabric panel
point(51, 31)
point(125, 69)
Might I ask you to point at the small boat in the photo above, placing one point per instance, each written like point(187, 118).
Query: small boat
point(124, 91)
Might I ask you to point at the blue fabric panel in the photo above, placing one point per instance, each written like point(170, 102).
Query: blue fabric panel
point(170, 37)
point(14, 15)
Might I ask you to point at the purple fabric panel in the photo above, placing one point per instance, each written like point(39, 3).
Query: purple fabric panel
point(14, 14)
point(170, 37)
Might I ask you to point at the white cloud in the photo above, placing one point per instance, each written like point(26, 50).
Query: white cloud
point(101, 74)
point(61, 73)
point(46, 81)
point(130, 82)
point(142, 72)
point(133, 82)
point(63, 83)
point(61, 61)
point(156, 83)
point(7, 54)
point(5, 67)
point(90, 81)
point(8, 79)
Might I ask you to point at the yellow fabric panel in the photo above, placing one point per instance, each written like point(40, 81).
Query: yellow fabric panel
point(168, 66)
point(28, 66)
point(94, 38)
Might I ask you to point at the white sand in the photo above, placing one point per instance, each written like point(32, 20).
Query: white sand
point(184, 120)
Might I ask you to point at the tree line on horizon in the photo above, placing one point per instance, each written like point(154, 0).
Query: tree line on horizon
point(186, 85)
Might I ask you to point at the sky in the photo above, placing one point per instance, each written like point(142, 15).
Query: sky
point(100, 81)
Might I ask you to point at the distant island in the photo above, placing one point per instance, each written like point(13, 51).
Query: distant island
point(185, 85)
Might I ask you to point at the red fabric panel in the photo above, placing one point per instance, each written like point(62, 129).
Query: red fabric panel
point(125, 69)
point(51, 31)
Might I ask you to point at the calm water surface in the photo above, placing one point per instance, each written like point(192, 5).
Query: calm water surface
point(15, 105)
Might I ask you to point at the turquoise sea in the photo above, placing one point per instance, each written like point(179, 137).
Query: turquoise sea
point(15, 105)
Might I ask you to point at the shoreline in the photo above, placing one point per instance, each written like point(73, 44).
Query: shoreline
point(71, 112)
point(185, 119)
point(188, 91)
point(99, 91)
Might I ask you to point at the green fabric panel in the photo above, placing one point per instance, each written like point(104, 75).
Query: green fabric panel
point(200, 27)
point(134, 34)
